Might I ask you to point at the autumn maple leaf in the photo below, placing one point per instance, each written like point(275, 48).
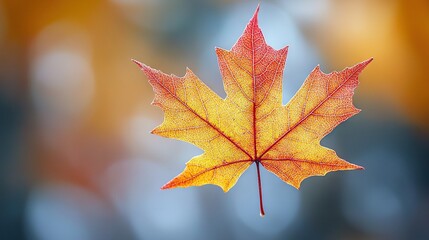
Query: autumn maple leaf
point(251, 125)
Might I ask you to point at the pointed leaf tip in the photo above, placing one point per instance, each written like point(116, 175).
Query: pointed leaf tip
point(368, 61)
point(255, 16)
point(138, 63)
point(166, 186)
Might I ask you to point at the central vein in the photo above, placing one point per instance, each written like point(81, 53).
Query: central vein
point(254, 89)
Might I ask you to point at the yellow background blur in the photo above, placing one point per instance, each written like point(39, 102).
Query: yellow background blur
point(78, 162)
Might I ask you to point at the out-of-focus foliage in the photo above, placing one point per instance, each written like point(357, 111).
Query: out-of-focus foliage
point(395, 33)
point(77, 160)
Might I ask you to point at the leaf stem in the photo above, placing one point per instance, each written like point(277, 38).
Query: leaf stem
point(261, 204)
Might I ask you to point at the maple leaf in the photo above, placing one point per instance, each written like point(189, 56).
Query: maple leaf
point(251, 125)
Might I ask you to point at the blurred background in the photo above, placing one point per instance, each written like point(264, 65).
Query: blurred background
point(77, 160)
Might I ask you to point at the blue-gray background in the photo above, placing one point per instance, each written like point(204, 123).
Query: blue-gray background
point(77, 160)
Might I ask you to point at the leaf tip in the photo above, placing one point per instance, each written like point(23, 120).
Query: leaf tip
point(189, 72)
point(355, 167)
point(368, 61)
point(153, 131)
point(255, 15)
point(225, 188)
point(285, 49)
point(296, 184)
point(141, 65)
point(317, 69)
point(365, 63)
point(166, 186)
point(146, 69)
point(219, 51)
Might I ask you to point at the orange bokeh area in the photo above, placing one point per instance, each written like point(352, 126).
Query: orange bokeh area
point(77, 160)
